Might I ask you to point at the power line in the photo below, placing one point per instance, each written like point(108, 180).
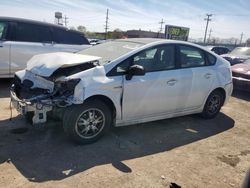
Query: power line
point(208, 20)
point(65, 19)
point(106, 23)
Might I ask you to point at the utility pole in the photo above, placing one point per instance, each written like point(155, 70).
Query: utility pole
point(209, 36)
point(106, 23)
point(241, 36)
point(235, 42)
point(65, 19)
point(161, 23)
point(208, 20)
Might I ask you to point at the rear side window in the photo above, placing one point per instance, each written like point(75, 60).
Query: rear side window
point(33, 33)
point(3, 30)
point(191, 57)
point(63, 36)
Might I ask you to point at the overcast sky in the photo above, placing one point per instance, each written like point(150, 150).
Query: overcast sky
point(230, 17)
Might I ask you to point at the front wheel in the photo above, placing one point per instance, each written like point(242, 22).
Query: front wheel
point(213, 105)
point(88, 122)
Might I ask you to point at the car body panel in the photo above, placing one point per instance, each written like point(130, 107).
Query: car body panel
point(46, 64)
point(5, 70)
point(241, 76)
point(238, 55)
point(151, 97)
point(15, 53)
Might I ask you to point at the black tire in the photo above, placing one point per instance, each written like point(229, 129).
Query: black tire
point(209, 112)
point(28, 117)
point(72, 117)
point(215, 97)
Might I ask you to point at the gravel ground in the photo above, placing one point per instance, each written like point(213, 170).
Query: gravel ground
point(186, 151)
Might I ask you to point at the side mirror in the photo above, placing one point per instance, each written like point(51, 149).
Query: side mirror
point(135, 70)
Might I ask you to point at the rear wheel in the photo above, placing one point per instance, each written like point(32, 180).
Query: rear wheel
point(88, 122)
point(213, 105)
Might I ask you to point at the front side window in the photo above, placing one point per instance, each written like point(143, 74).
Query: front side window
point(191, 57)
point(156, 59)
point(27, 32)
point(3, 30)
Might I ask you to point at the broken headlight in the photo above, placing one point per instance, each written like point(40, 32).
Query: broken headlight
point(66, 87)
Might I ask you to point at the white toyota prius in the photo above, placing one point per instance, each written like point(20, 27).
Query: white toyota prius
point(119, 83)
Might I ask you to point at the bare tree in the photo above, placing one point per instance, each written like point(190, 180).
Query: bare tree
point(82, 28)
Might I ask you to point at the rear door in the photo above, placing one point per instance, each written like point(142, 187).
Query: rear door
point(29, 39)
point(199, 65)
point(4, 49)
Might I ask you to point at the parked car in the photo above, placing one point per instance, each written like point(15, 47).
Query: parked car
point(238, 55)
point(122, 82)
point(219, 49)
point(20, 39)
point(241, 76)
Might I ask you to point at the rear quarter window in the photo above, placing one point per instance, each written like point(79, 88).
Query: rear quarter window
point(211, 59)
point(63, 36)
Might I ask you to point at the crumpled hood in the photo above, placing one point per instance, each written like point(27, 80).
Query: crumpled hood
point(46, 64)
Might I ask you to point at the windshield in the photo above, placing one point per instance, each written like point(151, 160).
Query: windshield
point(111, 50)
point(241, 51)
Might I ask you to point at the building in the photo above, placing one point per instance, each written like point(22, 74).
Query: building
point(144, 34)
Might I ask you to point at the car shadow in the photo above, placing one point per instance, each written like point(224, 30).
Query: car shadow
point(243, 95)
point(49, 155)
point(5, 84)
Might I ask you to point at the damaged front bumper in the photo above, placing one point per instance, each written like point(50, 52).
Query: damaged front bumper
point(39, 109)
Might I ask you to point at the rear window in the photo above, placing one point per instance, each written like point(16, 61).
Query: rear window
point(63, 36)
point(33, 33)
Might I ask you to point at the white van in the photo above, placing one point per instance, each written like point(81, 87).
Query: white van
point(20, 39)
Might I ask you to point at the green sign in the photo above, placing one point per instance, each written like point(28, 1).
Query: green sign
point(176, 32)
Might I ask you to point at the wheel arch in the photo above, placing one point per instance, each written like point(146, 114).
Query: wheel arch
point(106, 100)
point(222, 91)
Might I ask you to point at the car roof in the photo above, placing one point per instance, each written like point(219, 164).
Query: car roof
point(157, 41)
point(141, 40)
point(13, 19)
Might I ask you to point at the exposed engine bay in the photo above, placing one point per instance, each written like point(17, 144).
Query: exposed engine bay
point(45, 84)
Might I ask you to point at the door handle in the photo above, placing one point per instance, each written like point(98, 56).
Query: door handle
point(208, 75)
point(171, 82)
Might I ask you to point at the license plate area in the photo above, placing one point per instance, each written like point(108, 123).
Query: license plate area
point(21, 108)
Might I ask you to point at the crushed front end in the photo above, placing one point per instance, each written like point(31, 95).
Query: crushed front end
point(26, 97)
point(44, 89)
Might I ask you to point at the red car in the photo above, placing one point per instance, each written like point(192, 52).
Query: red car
point(241, 76)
